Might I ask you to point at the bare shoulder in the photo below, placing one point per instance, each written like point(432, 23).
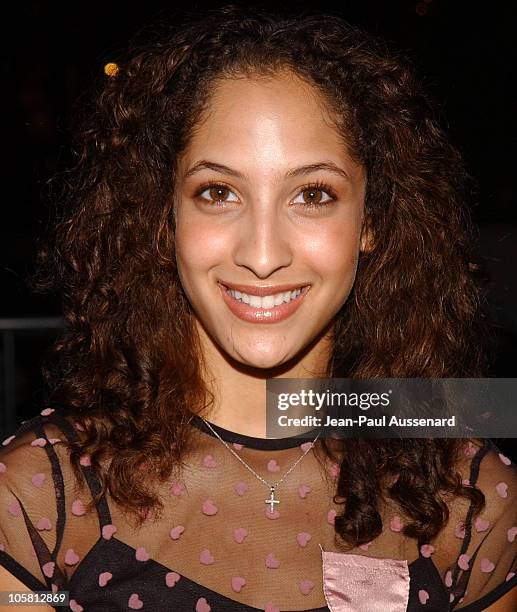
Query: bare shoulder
point(483, 545)
point(482, 464)
point(24, 449)
point(8, 582)
point(496, 476)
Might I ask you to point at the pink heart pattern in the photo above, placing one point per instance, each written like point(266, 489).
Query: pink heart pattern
point(209, 461)
point(423, 596)
point(108, 531)
point(209, 508)
point(331, 516)
point(38, 480)
point(504, 459)
point(306, 446)
point(78, 508)
point(202, 605)
point(75, 607)
point(237, 583)
point(85, 460)
point(270, 607)
point(171, 578)
point(303, 538)
point(3, 467)
point(134, 602)
point(303, 490)
point(502, 489)
point(104, 577)
point(240, 534)
point(39, 442)
point(241, 488)
point(463, 562)
point(71, 557)
point(206, 557)
point(44, 524)
point(396, 524)
point(512, 532)
point(448, 578)
point(459, 530)
point(141, 554)
point(14, 508)
point(306, 587)
point(177, 489)
point(486, 565)
point(272, 562)
point(427, 550)
point(334, 470)
point(272, 515)
point(47, 411)
point(272, 466)
point(48, 569)
point(176, 532)
point(481, 524)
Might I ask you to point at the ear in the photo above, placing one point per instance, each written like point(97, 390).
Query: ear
point(367, 242)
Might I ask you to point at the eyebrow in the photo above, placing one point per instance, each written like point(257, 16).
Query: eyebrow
point(300, 171)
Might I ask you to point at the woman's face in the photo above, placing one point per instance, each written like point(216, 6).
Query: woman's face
point(268, 203)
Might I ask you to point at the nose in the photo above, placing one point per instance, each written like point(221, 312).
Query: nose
point(263, 242)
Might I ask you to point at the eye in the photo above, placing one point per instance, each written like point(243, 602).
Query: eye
point(217, 193)
point(315, 195)
point(312, 196)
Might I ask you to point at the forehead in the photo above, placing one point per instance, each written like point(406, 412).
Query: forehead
point(277, 120)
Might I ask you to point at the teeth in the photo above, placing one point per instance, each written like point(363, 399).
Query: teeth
point(268, 301)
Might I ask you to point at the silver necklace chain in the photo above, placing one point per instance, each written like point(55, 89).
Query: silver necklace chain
point(272, 487)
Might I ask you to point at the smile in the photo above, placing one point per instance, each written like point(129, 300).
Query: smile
point(269, 307)
point(268, 301)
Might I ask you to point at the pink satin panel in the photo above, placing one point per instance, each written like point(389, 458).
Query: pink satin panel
point(355, 583)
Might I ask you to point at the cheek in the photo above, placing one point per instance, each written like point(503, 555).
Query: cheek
point(334, 252)
point(199, 247)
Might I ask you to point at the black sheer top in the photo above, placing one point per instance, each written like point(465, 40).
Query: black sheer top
point(219, 546)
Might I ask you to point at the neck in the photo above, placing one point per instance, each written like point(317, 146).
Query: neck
point(240, 390)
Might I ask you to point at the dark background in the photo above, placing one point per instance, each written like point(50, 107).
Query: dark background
point(52, 52)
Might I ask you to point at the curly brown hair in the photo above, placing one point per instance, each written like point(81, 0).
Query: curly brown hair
point(128, 365)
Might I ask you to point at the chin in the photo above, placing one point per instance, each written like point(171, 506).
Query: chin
point(261, 359)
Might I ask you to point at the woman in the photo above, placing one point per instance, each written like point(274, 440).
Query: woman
point(256, 197)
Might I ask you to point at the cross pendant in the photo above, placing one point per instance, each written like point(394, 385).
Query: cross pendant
point(272, 501)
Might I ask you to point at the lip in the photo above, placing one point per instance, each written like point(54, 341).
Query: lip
point(263, 290)
point(262, 315)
